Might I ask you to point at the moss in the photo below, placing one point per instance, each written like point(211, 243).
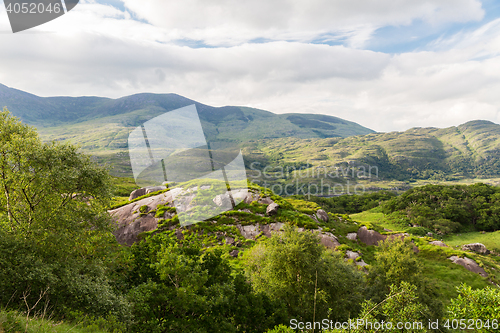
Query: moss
point(162, 209)
point(305, 207)
point(165, 224)
point(123, 203)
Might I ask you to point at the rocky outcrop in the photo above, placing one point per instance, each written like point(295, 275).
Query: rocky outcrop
point(249, 231)
point(438, 243)
point(130, 220)
point(329, 240)
point(272, 209)
point(469, 264)
point(476, 247)
point(268, 229)
point(223, 200)
point(370, 237)
point(265, 201)
point(352, 236)
point(145, 190)
point(351, 255)
point(253, 230)
point(322, 215)
point(230, 241)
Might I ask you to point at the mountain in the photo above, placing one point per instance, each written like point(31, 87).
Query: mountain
point(469, 150)
point(101, 125)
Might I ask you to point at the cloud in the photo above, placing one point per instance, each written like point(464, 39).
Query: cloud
point(225, 22)
point(100, 50)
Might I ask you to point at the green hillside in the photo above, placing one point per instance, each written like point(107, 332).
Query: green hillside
point(468, 151)
point(100, 126)
point(71, 263)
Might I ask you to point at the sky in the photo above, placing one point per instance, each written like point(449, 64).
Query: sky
point(389, 65)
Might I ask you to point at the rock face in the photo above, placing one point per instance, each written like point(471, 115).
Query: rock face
point(438, 243)
point(137, 193)
point(322, 215)
point(351, 255)
point(352, 236)
point(272, 209)
point(230, 241)
point(329, 240)
point(223, 200)
point(145, 190)
point(249, 231)
point(268, 229)
point(253, 230)
point(469, 264)
point(265, 201)
point(370, 237)
point(131, 223)
point(476, 247)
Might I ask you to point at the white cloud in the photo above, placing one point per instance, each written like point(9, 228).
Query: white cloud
point(226, 22)
point(100, 50)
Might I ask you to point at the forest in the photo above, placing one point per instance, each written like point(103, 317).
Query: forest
point(63, 270)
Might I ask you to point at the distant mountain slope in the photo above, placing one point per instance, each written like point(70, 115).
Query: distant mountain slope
point(468, 150)
point(101, 125)
point(229, 122)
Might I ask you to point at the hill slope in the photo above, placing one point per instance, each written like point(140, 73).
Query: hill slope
point(468, 150)
point(54, 114)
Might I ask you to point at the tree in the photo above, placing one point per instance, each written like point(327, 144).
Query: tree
point(50, 193)
point(482, 306)
point(396, 263)
point(400, 311)
point(313, 281)
point(178, 286)
point(54, 227)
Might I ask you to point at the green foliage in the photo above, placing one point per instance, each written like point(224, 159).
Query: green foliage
point(14, 321)
point(50, 193)
point(281, 329)
point(477, 305)
point(418, 231)
point(177, 286)
point(285, 267)
point(71, 282)
point(395, 262)
point(54, 230)
point(351, 204)
point(123, 186)
point(401, 306)
point(447, 209)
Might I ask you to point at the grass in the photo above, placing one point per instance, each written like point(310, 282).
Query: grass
point(445, 274)
point(123, 186)
point(14, 321)
point(490, 239)
point(375, 217)
point(448, 275)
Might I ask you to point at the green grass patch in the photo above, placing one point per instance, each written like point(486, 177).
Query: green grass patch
point(448, 275)
point(13, 321)
point(490, 239)
point(126, 202)
point(374, 217)
point(306, 207)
